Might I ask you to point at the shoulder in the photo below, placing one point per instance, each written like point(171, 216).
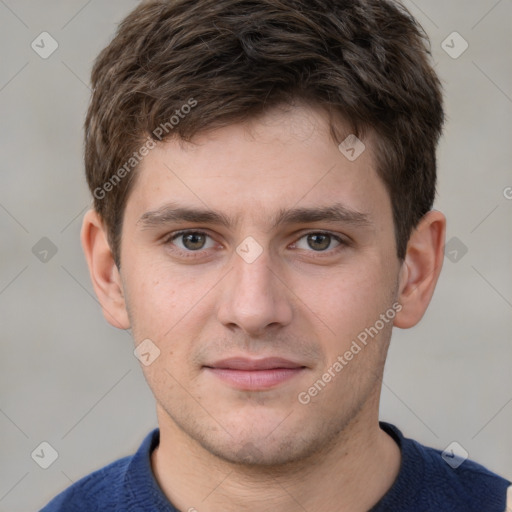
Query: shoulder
point(95, 492)
point(110, 488)
point(469, 485)
point(430, 477)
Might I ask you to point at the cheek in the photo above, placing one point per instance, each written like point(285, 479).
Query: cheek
point(154, 301)
point(352, 300)
point(168, 307)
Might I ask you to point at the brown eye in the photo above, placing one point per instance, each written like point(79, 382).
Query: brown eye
point(318, 242)
point(194, 241)
point(190, 241)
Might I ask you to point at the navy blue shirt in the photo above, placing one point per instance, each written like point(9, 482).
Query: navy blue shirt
point(425, 483)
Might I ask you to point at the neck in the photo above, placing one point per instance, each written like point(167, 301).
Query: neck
point(350, 475)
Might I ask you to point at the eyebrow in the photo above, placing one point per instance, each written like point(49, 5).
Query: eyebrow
point(170, 213)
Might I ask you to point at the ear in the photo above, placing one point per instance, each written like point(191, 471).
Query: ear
point(104, 273)
point(421, 268)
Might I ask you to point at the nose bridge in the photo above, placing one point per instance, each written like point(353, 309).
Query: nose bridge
point(252, 271)
point(254, 297)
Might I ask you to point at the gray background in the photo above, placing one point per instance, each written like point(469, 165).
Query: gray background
point(69, 379)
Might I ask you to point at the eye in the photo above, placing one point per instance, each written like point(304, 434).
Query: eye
point(318, 241)
point(191, 241)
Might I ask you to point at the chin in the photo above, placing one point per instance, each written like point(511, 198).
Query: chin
point(281, 447)
point(257, 453)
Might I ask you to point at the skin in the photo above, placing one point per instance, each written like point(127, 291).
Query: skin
point(228, 449)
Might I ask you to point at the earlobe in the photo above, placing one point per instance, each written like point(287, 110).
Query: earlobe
point(104, 273)
point(421, 268)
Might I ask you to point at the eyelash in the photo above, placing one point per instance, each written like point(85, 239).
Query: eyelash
point(195, 254)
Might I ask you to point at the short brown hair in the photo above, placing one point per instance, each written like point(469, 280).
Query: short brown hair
point(364, 61)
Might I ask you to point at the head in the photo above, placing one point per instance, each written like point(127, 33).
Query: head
point(253, 112)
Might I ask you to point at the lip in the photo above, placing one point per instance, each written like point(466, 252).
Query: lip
point(255, 374)
point(243, 363)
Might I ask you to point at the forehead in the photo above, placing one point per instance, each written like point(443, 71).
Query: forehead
point(284, 159)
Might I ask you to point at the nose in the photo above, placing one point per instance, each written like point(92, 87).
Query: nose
point(254, 296)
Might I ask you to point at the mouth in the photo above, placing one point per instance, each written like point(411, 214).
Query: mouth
point(255, 374)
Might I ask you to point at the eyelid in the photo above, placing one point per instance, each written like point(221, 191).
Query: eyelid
point(342, 240)
point(176, 234)
point(168, 239)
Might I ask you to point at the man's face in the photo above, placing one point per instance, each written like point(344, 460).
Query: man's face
point(221, 299)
